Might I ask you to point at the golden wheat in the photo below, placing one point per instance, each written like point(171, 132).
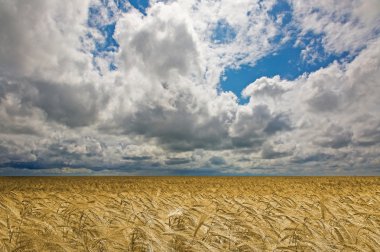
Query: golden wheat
point(190, 214)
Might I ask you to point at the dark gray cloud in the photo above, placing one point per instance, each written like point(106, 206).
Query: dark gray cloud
point(137, 158)
point(177, 161)
point(72, 105)
point(176, 130)
point(280, 122)
point(187, 124)
point(217, 160)
point(267, 152)
point(32, 165)
point(317, 157)
point(255, 124)
point(335, 137)
point(369, 135)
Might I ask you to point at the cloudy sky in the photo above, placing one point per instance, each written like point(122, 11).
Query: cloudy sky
point(189, 87)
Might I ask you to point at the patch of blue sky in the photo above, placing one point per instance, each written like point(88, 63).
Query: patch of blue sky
point(140, 5)
point(109, 44)
point(223, 33)
point(281, 12)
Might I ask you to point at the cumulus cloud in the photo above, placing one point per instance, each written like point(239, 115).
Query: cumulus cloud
point(217, 160)
point(324, 108)
point(343, 25)
point(42, 39)
point(152, 103)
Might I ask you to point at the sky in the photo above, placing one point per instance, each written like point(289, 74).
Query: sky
point(222, 87)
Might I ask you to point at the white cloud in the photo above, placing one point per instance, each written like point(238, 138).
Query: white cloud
point(331, 111)
point(343, 25)
point(41, 39)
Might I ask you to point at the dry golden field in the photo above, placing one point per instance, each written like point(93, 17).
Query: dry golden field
point(190, 214)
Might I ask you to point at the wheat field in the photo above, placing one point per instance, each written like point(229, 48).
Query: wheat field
point(190, 214)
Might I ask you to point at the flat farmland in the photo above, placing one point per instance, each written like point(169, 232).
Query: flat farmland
point(189, 214)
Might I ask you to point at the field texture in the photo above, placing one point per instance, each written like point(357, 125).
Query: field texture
point(190, 214)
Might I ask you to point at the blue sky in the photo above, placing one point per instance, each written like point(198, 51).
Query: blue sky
point(118, 87)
